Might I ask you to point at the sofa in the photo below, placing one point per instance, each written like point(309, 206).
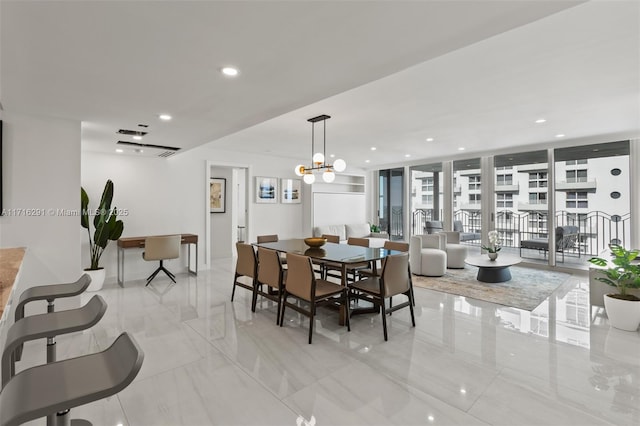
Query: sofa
point(354, 230)
point(433, 226)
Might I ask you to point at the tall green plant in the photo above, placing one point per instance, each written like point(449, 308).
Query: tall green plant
point(623, 273)
point(105, 222)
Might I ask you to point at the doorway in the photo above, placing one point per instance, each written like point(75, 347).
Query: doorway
point(227, 222)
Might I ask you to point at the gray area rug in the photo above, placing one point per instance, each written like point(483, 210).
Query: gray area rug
point(526, 290)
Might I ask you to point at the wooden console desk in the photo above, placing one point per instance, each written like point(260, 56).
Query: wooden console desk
point(138, 242)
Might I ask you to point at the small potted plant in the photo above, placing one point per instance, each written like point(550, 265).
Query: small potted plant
point(622, 273)
point(494, 245)
point(107, 228)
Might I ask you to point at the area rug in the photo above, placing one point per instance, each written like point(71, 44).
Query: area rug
point(526, 290)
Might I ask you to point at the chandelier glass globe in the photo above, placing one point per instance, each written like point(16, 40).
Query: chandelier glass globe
point(309, 178)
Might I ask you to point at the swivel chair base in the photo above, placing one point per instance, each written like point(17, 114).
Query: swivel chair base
point(163, 269)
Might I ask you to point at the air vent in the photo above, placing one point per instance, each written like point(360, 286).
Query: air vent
point(166, 154)
point(131, 132)
point(147, 145)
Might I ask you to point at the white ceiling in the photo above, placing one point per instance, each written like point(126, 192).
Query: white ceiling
point(472, 74)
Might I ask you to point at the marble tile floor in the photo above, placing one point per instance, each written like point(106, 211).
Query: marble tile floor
point(209, 361)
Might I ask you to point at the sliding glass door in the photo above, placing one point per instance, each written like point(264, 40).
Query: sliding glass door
point(391, 202)
point(426, 196)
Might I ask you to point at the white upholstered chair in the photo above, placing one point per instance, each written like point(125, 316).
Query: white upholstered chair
point(427, 255)
point(456, 252)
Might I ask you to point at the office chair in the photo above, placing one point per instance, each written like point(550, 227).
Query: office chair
point(161, 248)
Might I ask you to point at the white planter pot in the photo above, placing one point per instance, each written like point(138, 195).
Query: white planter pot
point(97, 278)
point(623, 314)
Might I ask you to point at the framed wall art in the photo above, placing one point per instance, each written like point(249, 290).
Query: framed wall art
point(266, 190)
point(217, 195)
point(290, 191)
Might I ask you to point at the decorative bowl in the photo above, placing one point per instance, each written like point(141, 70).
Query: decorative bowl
point(315, 242)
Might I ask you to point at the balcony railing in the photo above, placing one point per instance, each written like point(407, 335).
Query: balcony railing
point(596, 229)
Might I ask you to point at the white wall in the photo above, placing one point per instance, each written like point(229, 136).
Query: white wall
point(41, 170)
point(171, 196)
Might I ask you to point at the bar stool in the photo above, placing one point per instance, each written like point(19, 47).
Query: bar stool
point(28, 395)
point(49, 293)
point(48, 325)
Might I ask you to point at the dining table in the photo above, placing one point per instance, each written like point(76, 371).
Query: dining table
point(342, 254)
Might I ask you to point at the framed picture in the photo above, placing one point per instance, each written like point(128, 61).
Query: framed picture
point(217, 195)
point(266, 190)
point(290, 191)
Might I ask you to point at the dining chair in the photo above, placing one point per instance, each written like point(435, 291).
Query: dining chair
point(355, 268)
point(395, 279)
point(331, 238)
point(268, 238)
point(388, 245)
point(272, 239)
point(303, 285)
point(246, 267)
point(272, 274)
point(327, 267)
point(161, 248)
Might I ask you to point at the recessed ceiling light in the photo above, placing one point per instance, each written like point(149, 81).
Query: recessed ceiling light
point(332, 156)
point(461, 148)
point(540, 120)
point(560, 135)
point(407, 155)
point(373, 148)
point(137, 137)
point(230, 71)
point(429, 139)
point(164, 117)
point(366, 161)
point(119, 150)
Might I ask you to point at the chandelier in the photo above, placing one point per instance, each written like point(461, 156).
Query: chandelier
point(318, 159)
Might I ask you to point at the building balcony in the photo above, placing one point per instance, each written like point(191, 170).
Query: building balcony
point(573, 185)
point(468, 172)
point(533, 207)
point(507, 188)
point(469, 206)
point(537, 167)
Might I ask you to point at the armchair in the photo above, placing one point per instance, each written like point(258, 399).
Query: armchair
point(427, 255)
point(456, 252)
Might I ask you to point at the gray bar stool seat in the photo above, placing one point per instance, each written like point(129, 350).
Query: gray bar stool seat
point(49, 293)
point(48, 325)
point(86, 379)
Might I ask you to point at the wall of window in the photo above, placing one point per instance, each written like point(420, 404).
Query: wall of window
point(467, 200)
point(426, 195)
point(593, 195)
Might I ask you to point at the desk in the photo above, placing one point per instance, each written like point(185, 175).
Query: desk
point(343, 254)
point(138, 242)
point(493, 271)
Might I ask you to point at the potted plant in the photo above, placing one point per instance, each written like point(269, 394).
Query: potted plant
point(107, 228)
point(494, 245)
point(621, 272)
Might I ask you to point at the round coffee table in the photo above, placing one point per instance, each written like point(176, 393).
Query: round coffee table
point(493, 271)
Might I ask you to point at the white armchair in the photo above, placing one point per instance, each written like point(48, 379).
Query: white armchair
point(427, 255)
point(456, 252)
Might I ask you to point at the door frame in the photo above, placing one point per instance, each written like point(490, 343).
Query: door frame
point(231, 188)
